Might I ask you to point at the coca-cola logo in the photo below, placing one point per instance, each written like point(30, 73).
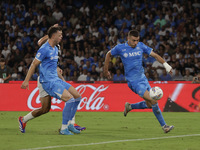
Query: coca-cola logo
point(94, 102)
point(30, 102)
point(196, 94)
point(91, 99)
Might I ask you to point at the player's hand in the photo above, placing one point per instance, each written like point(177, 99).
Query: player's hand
point(25, 85)
point(170, 72)
point(107, 74)
point(168, 68)
point(59, 70)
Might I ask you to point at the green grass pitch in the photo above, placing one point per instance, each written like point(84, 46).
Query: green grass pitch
point(105, 131)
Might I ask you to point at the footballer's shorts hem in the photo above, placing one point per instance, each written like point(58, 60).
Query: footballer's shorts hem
point(42, 92)
point(56, 88)
point(140, 86)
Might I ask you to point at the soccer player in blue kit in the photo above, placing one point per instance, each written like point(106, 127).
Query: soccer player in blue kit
point(46, 58)
point(131, 54)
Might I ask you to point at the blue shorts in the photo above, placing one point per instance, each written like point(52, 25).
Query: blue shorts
point(139, 86)
point(55, 88)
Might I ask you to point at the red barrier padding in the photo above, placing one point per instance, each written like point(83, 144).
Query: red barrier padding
point(102, 97)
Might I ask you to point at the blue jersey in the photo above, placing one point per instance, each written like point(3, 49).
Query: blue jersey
point(49, 58)
point(132, 59)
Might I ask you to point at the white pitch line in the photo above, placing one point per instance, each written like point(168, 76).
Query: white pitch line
point(117, 141)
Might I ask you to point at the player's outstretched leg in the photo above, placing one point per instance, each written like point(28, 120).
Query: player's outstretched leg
point(23, 120)
point(139, 105)
point(22, 125)
point(167, 128)
point(127, 108)
point(158, 114)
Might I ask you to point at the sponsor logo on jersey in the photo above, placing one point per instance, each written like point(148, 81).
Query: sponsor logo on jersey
point(38, 55)
point(134, 54)
point(125, 55)
point(55, 57)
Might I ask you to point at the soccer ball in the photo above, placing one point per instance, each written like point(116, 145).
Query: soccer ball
point(156, 93)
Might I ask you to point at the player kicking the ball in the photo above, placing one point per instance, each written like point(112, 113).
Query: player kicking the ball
point(131, 54)
point(46, 58)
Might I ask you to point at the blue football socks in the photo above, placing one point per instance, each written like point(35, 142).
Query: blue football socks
point(158, 114)
point(76, 103)
point(67, 111)
point(139, 105)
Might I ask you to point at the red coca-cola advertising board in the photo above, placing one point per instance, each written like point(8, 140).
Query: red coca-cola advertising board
point(102, 96)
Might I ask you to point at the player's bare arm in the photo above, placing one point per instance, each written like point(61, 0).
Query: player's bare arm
point(162, 61)
point(107, 60)
point(42, 40)
point(31, 70)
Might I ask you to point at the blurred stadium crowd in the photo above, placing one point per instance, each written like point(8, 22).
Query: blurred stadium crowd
point(91, 28)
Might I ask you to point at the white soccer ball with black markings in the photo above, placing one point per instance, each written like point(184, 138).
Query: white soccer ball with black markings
point(156, 93)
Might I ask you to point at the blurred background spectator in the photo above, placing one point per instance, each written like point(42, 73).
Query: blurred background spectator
point(196, 79)
point(91, 28)
point(5, 72)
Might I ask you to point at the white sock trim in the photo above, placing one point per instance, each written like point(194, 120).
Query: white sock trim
point(73, 120)
point(65, 126)
point(28, 117)
point(70, 122)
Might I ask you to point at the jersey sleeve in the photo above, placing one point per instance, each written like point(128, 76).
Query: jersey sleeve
point(115, 50)
point(146, 48)
point(41, 54)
